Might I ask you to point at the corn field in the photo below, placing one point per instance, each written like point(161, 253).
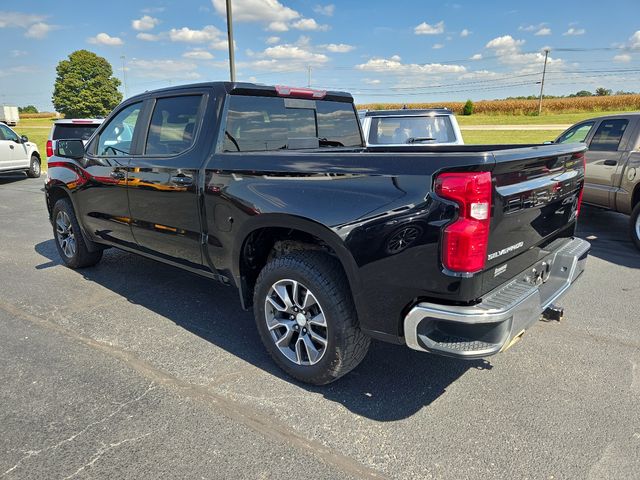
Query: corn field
point(528, 107)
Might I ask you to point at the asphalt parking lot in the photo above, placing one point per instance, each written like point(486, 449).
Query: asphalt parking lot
point(134, 369)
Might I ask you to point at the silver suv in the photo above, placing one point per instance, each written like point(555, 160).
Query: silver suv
point(76, 129)
point(435, 126)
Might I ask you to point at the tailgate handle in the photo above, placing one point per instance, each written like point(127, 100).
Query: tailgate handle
point(182, 180)
point(610, 163)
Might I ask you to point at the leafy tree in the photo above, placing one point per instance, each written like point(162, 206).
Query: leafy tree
point(28, 109)
point(85, 86)
point(603, 92)
point(468, 108)
point(584, 93)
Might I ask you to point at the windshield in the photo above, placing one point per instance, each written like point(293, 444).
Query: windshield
point(66, 131)
point(411, 129)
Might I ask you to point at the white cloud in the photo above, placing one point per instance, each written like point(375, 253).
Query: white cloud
point(477, 56)
point(148, 37)
point(622, 58)
point(478, 74)
point(508, 51)
point(105, 39)
point(394, 65)
point(544, 31)
point(465, 33)
point(145, 23)
point(272, 40)
point(426, 29)
point(634, 41)
point(338, 47)
point(18, 53)
point(164, 69)
point(327, 10)
point(18, 19)
point(278, 27)
point(39, 30)
point(372, 81)
point(531, 28)
point(187, 35)
point(574, 32)
point(309, 24)
point(197, 54)
point(294, 52)
point(264, 11)
point(437, 46)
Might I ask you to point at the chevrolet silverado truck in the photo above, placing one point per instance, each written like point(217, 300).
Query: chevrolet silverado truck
point(612, 178)
point(453, 250)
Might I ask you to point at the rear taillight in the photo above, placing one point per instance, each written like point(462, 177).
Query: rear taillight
point(49, 148)
point(465, 241)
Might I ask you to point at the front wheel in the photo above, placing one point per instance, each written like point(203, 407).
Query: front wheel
point(635, 225)
point(69, 240)
point(306, 317)
point(34, 167)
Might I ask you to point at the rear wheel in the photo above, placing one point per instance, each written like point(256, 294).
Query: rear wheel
point(635, 225)
point(306, 317)
point(34, 167)
point(69, 240)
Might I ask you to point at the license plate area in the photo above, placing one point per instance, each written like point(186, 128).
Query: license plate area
point(539, 273)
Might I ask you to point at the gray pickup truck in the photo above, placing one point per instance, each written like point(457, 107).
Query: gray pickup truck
point(612, 178)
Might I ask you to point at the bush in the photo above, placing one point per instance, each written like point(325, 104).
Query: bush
point(468, 108)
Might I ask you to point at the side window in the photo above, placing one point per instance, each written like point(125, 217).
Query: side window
point(115, 139)
point(173, 124)
point(608, 136)
point(576, 134)
point(7, 134)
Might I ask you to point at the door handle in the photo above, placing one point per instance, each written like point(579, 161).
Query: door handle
point(183, 180)
point(610, 163)
point(117, 175)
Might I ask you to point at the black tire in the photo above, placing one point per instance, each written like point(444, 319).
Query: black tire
point(634, 226)
point(34, 167)
point(321, 274)
point(79, 256)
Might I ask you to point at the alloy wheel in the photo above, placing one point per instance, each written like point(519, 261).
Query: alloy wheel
point(65, 235)
point(296, 322)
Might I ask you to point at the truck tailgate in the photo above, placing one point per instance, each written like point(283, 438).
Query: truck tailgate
point(535, 205)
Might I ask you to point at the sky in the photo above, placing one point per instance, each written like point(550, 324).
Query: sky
point(380, 51)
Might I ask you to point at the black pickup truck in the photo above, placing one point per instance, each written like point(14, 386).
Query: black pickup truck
point(453, 250)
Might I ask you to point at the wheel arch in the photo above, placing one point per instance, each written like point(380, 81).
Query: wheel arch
point(262, 236)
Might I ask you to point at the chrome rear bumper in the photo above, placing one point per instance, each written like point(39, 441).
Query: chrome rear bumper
point(501, 317)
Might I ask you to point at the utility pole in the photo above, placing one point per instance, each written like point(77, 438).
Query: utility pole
point(124, 76)
point(309, 76)
point(232, 63)
point(544, 71)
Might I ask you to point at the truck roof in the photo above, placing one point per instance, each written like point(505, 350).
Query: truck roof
point(614, 115)
point(87, 121)
point(408, 112)
point(246, 88)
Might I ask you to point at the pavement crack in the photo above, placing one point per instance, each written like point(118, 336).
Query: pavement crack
point(251, 418)
point(102, 450)
point(34, 453)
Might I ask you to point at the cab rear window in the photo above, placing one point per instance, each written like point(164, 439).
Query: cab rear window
point(272, 123)
point(64, 131)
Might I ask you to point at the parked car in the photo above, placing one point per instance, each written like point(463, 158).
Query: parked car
point(9, 115)
point(77, 128)
point(436, 126)
point(17, 153)
point(456, 250)
point(612, 179)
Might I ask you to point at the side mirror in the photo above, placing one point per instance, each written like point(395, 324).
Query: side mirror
point(24, 139)
point(69, 149)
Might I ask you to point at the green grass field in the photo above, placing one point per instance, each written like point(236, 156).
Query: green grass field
point(508, 136)
point(546, 119)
